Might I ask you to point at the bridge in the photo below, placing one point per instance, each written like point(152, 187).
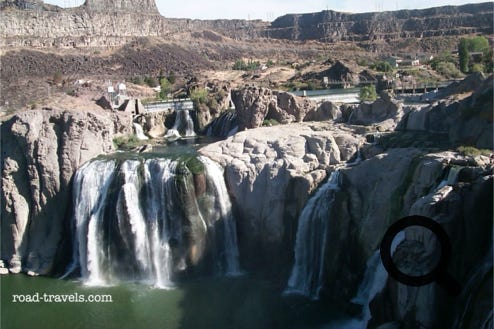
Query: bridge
point(173, 105)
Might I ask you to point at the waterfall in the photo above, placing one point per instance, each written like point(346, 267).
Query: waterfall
point(184, 125)
point(451, 179)
point(373, 283)
point(223, 214)
point(139, 132)
point(223, 126)
point(308, 271)
point(148, 220)
point(91, 183)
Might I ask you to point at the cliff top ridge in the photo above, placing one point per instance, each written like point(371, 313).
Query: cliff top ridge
point(137, 6)
point(148, 6)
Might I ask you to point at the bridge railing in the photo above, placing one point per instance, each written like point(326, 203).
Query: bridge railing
point(174, 105)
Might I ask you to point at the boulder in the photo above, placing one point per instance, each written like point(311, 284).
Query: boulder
point(289, 108)
point(252, 105)
point(384, 111)
point(325, 111)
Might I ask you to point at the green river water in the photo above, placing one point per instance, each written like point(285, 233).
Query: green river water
point(210, 303)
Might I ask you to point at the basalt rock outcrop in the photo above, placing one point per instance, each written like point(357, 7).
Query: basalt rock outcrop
point(270, 173)
point(253, 105)
point(385, 112)
point(41, 150)
point(103, 24)
point(467, 121)
point(445, 186)
point(331, 26)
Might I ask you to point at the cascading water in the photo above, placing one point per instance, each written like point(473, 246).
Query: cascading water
point(451, 178)
point(183, 125)
point(148, 220)
point(308, 271)
point(373, 283)
point(139, 132)
point(223, 126)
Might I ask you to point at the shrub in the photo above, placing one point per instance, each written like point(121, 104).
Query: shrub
point(151, 82)
point(472, 151)
point(447, 69)
point(199, 96)
point(368, 93)
point(165, 88)
point(474, 44)
point(382, 67)
point(126, 142)
point(241, 65)
point(270, 122)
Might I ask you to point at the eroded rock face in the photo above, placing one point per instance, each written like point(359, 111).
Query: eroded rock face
point(253, 105)
point(41, 151)
point(336, 26)
point(467, 121)
point(325, 111)
point(375, 193)
point(385, 112)
point(289, 108)
point(270, 173)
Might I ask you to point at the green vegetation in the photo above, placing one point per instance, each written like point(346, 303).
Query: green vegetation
point(472, 151)
point(151, 82)
point(241, 65)
point(127, 142)
point(57, 78)
point(368, 93)
point(447, 69)
point(199, 96)
point(382, 67)
point(166, 88)
point(195, 165)
point(270, 122)
point(475, 55)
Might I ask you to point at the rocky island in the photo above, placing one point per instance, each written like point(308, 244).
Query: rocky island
point(302, 180)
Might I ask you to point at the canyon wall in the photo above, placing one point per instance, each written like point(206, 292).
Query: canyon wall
point(331, 26)
point(102, 24)
point(41, 150)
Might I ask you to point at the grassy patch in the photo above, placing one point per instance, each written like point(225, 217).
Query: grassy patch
point(270, 122)
point(472, 151)
point(126, 142)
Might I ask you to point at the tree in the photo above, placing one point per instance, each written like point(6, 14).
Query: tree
point(172, 78)
point(199, 96)
point(467, 46)
point(368, 93)
point(382, 67)
point(464, 55)
point(165, 88)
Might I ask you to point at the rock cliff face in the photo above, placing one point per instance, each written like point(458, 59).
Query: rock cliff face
point(137, 6)
point(113, 23)
point(270, 173)
point(105, 24)
point(41, 150)
point(334, 26)
point(467, 121)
